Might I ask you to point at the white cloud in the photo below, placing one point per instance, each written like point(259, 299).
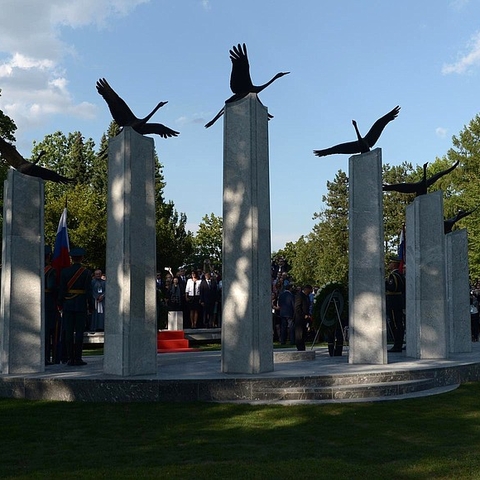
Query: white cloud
point(34, 84)
point(441, 132)
point(206, 5)
point(467, 60)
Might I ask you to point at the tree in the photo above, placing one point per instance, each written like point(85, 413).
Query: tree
point(395, 203)
point(7, 130)
point(464, 191)
point(208, 242)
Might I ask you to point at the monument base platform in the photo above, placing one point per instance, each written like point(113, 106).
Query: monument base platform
point(197, 376)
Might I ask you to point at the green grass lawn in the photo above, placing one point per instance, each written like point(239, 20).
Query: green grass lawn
point(428, 438)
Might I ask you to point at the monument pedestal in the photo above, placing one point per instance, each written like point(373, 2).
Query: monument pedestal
point(247, 345)
point(458, 299)
point(130, 306)
point(175, 320)
point(368, 338)
point(426, 319)
point(22, 332)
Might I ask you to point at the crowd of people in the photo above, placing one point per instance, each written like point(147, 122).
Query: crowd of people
point(75, 303)
point(198, 295)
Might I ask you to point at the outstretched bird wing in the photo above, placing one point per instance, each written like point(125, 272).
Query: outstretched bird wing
point(348, 147)
point(377, 128)
point(46, 174)
point(157, 128)
point(450, 222)
point(120, 111)
point(13, 158)
point(434, 178)
point(240, 80)
point(402, 187)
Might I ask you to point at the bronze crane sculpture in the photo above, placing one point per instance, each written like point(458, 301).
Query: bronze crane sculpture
point(124, 117)
point(10, 154)
point(362, 144)
point(240, 81)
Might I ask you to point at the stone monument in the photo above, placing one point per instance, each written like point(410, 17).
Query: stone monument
point(21, 310)
point(247, 345)
point(367, 327)
point(130, 310)
point(458, 299)
point(426, 312)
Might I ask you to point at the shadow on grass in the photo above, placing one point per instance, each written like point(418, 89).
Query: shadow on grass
point(425, 438)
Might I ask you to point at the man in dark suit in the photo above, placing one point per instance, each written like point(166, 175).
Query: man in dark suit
point(208, 297)
point(286, 305)
point(76, 300)
point(302, 315)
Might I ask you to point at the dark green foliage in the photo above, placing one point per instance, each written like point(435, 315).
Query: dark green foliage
point(207, 244)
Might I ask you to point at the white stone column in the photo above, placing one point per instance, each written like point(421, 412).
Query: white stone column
point(426, 319)
point(458, 298)
point(368, 338)
point(22, 321)
point(247, 344)
point(130, 305)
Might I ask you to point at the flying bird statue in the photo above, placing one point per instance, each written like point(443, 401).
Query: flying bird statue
point(450, 222)
point(420, 187)
point(240, 81)
point(124, 117)
point(10, 154)
point(362, 144)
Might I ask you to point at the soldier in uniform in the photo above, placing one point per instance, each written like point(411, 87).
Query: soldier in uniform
point(50, 306)
point(395, 300)
point(76, 300)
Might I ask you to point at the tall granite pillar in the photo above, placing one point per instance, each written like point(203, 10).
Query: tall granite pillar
point(458, 298)
point(247, 345)
point(368, 338)
point(426, 319)
point(22, 332)
point(130, 306)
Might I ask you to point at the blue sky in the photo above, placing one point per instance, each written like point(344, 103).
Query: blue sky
point(349, 59)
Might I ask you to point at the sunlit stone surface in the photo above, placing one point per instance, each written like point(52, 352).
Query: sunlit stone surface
point(21, 312)
point(130, 306)
point(247, 318)
point(368, 339)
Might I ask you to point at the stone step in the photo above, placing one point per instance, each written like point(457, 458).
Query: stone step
point(173, 344)
point(170, 334)
point(365, 391)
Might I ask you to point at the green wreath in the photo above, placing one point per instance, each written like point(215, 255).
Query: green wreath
point(329, 299)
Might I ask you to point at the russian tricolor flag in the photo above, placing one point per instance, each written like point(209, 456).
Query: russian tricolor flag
point(61, 256)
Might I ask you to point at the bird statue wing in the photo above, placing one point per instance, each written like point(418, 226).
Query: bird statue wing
point(348, 147)
point(438, 175)
point(377, 128)
point(46, 174)
point(156, 128)
point(240, 80)
point(401, 187)
point(120, 111)
point(13, 158)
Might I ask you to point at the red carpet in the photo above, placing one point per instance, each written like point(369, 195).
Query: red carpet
point(169, 341)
